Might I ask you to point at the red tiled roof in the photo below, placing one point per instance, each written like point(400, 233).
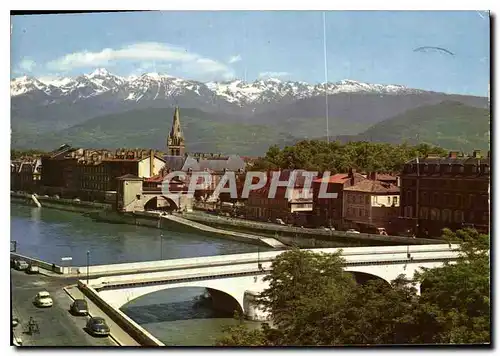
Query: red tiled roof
point(336, 178)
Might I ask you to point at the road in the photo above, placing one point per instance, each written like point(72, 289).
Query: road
point(57, 326)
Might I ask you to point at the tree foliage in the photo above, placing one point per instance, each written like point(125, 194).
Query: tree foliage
point(312, 301)
point(321, 156)
point(16, 154)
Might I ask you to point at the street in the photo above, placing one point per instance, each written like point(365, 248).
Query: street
point(57, 326)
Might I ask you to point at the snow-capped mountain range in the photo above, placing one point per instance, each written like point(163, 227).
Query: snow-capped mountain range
point(158, 87)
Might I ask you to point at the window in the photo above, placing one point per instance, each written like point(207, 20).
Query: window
point(388, 200)
point(394, 201)
point(367, 199)
point(434, 214)
point(459, 216)
point(446, 215)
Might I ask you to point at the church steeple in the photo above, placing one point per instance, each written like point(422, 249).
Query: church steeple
point(175, 140)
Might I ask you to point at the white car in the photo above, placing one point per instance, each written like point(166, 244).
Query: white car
point(352, 231)
point(43, 299)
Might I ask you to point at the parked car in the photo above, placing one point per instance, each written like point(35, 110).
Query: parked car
point(32, 269)
point(43, 299)
point(279, 221)
point(15, 322)
point(97, 326)
point(79, 307)
point(352, 231)
point(21, 265)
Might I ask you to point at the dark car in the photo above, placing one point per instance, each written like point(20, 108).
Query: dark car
point(79, 307)
point(97, 326)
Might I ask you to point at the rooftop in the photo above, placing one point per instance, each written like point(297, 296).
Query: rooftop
point(374, 186)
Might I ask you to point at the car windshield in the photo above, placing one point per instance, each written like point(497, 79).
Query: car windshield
point(98, 321)
point(81, 304)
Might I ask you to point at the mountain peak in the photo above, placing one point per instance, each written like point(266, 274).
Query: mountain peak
point(99, 72)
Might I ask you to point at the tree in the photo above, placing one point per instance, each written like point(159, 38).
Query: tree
point(455, 299)
point(313, 301)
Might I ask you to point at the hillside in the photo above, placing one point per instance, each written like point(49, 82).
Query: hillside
point(351, 113)
point(450, 124)
point(204, 132)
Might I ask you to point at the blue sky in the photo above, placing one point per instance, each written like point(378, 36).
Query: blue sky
point(369, 46)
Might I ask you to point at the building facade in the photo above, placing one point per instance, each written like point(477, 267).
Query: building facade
point(371, 204)
point(295, 209)
point(451, 192)
point(328, 211)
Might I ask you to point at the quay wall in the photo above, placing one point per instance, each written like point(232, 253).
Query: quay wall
point(61, 204)
point(305, 237)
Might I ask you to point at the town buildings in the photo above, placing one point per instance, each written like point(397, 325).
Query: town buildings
point(25, 174)
point(450, 192)
point(327, 211)
point(293, 209)
point(91, 174)
point(371, 204)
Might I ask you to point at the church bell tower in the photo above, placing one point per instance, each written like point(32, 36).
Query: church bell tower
point(175, 140)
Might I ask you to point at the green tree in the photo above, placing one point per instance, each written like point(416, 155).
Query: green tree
point(455, 299)
point(313, 301)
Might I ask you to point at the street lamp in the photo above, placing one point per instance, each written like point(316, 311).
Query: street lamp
point(88, 264)
point(161, 246)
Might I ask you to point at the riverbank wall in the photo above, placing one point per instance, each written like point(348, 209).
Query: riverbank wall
point(305, 237)
point(153, 220)
point(60, 204)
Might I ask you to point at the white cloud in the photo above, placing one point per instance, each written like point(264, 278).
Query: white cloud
point(27, 65)
point(145, 53)
point(234, 59)
point(264, 75)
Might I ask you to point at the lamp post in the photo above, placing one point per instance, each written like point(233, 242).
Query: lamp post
point(161, 246)
point(88, 264)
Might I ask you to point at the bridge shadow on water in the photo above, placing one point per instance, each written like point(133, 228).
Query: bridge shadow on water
point(174, 311)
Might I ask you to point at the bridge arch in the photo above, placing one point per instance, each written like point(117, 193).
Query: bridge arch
point(217, 299)
point(364, 277)
point(159, 202)
point(230, 290)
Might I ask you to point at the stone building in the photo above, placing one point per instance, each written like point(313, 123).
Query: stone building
point(293, 209)
point(371, 204)
point(328, 211)
point(448, 192)
point(25, 174)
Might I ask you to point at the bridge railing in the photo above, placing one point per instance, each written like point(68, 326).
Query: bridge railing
point(210, 261)
point(236, 269)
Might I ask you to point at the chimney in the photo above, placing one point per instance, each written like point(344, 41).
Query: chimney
point(351, 176)
point(476, 154)
point(453, 154)
point(398, 181)
point(372, 176)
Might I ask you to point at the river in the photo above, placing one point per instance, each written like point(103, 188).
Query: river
point(172, 315)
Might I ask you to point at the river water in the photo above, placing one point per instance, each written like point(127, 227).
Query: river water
point(171, 315)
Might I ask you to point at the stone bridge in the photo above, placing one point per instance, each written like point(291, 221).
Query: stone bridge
point(234, 280)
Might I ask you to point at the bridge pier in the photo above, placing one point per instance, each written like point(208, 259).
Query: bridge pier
point(252, 309)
